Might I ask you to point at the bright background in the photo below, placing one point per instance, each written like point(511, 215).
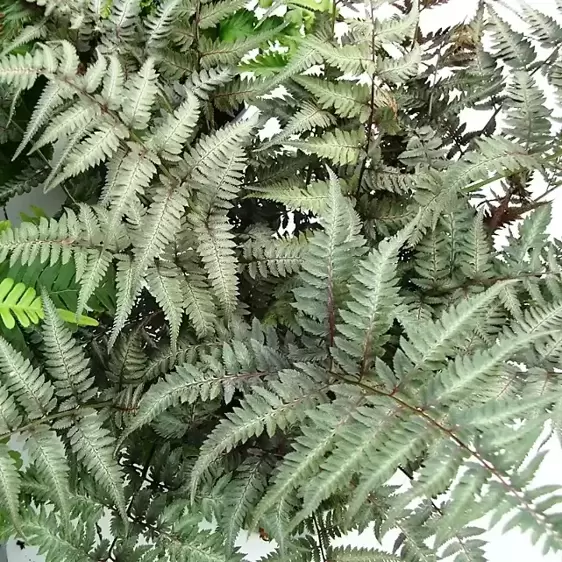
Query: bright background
point(511, 547)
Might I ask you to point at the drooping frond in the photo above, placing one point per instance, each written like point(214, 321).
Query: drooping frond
point(47, 452)
point(93, 446)
point(164, 284)
point(10, 483)
point(240, 496)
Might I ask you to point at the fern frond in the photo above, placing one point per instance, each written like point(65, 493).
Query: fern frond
point(10, 417)
point(95, 269)
point(28, 385)
point(213, 12)
point(93, 150)
point(216, 248)
point(296, 196)
point(159, 226)
point(306, 119)
point(113, 84)
point(165, 286)
point(319, 435)
point(127, 290)
point(202, 83)
point(198, 301)
point(132, 178)
point(329, 261)
point(123, 16)
point(370, 313)
point(341, 147)
point(18, 301)
point(511, 46)
point(348, 99)
point(50, 99)
point(10, 484)
point(350, 59)
point(399, 70)
point(65, 361)
point(527, 117)
point(186, 384)
point(262, 410)
point(169, 138)
point(93, 446)
point(139, 95)
point(159, 24)
point(47, 452)
point(353, 554)
point(240, 496)
point(77, 117)
point(269, 256)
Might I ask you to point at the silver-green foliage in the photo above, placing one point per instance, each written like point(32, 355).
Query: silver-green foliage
point(299, 319)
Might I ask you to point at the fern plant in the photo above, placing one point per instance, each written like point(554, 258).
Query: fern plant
point(303, 333)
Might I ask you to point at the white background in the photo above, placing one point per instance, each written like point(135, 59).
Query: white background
point(511, 547)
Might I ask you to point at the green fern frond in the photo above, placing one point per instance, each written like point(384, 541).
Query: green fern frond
point(204, 82)
point(213, 12)
point(329, 261)
point(295, 196)
point(511, 46)
point(10, 417)
point(216, 248)
point(370, 311)
point(347, 99)
point(185, 385)
point(353, 554)
point(170, 137)
point(341, 147)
